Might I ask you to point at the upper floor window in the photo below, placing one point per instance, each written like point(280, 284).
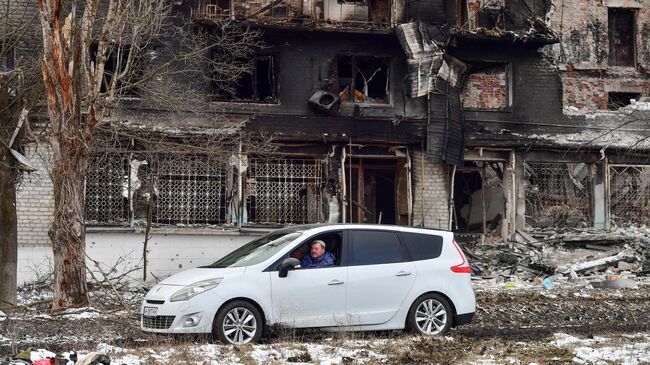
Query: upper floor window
point(622, 48)
point(364, 79)
point(120, 70)
point(7, 59)
point(257, 85)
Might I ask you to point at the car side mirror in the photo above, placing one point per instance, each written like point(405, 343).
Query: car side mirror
point(288, 265)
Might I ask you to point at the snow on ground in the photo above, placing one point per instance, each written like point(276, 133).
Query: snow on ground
point(628, 350)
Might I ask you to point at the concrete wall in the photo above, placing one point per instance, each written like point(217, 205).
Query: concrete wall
point(430, 192)
point(168, 253)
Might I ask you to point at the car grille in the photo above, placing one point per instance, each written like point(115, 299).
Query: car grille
point(151, 301)
point(158, 322)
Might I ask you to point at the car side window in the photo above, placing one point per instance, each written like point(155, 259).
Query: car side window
point(375, 247)
point(422, 246)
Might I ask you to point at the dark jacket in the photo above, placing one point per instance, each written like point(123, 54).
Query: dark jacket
point(326, 260)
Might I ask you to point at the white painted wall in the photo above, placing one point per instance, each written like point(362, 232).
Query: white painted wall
point(168, 253)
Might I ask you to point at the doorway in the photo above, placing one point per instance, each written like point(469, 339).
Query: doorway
point(376, 190)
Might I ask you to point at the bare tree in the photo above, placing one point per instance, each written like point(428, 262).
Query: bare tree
point(93, 55)
point(17, 96)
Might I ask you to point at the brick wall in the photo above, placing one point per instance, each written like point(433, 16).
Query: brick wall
point(34, 201)
point(583, 52)
point(486, 89)
point(431, 193)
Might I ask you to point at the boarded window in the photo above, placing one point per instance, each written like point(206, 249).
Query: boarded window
point(364, 79)
point(257, 85)
point(621, 37)
point(619, 100)
point(488, 87)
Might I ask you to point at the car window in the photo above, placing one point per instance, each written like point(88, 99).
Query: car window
point(422, 246)
point(375, 247)
point(257, 251)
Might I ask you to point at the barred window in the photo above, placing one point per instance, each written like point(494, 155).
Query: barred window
point(184, 190)
point(284, 191)
point(189, 190)
point(107, 190)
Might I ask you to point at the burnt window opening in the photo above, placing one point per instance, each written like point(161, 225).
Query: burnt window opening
point(116, 65)
point(621, 25)
point(258, 85)
point(279, 11)
point(364, 79)
point(616, 101)
point(215, 8)
point(7, 59)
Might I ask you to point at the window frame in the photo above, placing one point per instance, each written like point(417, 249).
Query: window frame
point(274, 267)
point(350, 249)
point(388, 59)
point(634, 12)
point(275, 87)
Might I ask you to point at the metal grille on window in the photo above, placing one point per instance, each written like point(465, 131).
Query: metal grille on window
point(629, 189)
point(284, 191)
point(559, 194)
point(189, 190)
point(107, 190)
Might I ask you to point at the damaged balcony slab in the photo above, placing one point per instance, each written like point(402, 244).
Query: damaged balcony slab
point(337, 129)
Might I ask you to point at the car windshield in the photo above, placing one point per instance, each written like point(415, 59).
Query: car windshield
point(256, 251)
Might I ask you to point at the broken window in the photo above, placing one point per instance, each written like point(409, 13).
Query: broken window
point(630, 194)
point(180, 189)
point(364, 79)
point(621, 37)
point(7, 59)
point(488, 87)
point(619, 100)
point(284, 191)
point(258, 85)
point(119, 65)
point(558, 194)
point(213, 9)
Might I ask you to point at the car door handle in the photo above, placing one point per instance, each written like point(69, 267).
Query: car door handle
point(403, 273)
point(335, 282)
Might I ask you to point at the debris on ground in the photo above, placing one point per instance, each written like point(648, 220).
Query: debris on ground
point(618, 259)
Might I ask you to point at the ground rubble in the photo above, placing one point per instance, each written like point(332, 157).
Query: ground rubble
point(570, 257)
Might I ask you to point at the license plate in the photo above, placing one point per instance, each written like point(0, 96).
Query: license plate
point(150, 311)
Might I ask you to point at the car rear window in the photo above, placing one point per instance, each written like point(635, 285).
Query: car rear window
point(375, 247)
point(422, 246)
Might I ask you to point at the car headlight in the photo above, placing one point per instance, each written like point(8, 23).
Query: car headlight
point(195, 289)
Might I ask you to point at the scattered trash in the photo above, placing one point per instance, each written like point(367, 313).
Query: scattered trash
point(3, 316)
point(548, 284)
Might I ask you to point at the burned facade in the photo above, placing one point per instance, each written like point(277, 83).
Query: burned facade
point(485, 117)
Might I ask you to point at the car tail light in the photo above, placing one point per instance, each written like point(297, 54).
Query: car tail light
point(463, 267)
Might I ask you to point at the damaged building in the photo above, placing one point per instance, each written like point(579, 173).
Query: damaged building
point(486, 118)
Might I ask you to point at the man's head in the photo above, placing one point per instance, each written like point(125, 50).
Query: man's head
point(317, 249)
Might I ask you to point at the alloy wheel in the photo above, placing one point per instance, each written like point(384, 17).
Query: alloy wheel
point(239, 326)
point(430, 317)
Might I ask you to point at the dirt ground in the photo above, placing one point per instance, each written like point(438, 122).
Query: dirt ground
point(518, 324)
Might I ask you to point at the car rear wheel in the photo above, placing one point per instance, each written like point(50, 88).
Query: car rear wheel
point(238, 323)
point(430, 315)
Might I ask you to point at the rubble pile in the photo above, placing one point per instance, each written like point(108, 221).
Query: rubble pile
point(617, 259)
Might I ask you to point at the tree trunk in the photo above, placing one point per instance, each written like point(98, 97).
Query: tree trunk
point(68, 231)
point(8, 229)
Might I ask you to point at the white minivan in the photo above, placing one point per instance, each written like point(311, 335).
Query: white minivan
point(377, 278)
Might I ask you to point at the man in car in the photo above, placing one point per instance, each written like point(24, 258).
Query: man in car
point(318, 257)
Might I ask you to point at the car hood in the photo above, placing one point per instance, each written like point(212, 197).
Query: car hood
point(191, 276)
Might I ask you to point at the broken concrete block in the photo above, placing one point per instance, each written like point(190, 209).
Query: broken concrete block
point(615, 284)
point(624, 255)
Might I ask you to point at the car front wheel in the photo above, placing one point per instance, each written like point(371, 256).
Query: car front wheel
point(238, 323)
point(430, 315)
